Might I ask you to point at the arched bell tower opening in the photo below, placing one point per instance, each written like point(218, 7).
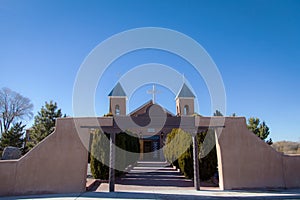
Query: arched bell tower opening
point(186, 110)
point(117, 110)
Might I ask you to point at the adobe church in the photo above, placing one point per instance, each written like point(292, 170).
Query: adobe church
point(151, 134)
point(244, 160)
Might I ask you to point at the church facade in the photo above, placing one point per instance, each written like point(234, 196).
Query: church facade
point(151, 122)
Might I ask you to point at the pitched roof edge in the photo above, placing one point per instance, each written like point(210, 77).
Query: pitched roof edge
point(185, 92)
point(140, 107)
point(117, 91)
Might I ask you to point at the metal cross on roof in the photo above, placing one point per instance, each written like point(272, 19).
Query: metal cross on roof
point(153, 92)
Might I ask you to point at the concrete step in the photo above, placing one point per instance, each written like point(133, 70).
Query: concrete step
point(154, 173)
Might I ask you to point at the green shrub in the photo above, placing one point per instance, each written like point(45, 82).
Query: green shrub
point(185, 162)
point(178, 151)
point(99, 155)
point(177, 142)
point(126, 144)
point(208, 164)
point(132, 145)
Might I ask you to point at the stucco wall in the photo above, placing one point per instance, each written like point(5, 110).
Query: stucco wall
point(7, 177)
point(56, 165)
point(248, 162)
point(59, 163)
point(291, 171)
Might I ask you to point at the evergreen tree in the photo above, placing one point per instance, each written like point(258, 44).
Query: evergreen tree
point(44, 123)
point(179, 151)
point(218, 113)
point(13, 137)
point(259, 129)
point(99, 155)
point(208, 154)
point(127, 144)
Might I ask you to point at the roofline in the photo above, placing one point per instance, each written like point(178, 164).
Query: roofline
point(166, 110)
point(184, 84)
point(118, 86)
point(140, 107)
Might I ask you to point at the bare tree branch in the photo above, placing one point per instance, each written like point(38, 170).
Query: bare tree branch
point(13, 106)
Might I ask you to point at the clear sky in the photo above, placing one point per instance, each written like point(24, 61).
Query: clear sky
point(255, 45)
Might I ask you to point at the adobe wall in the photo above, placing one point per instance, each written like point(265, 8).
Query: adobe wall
point(56, 165)
point(59, 163)
point(248, 162)
point(291, 171)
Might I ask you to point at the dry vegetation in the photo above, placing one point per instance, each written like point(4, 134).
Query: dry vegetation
point(287, 147)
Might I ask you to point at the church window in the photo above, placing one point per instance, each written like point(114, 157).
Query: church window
point(117, 110)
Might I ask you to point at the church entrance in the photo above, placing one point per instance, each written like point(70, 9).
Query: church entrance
point(149, 148)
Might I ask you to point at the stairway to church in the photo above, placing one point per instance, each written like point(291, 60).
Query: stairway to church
point(154, 173)
point(150, 176)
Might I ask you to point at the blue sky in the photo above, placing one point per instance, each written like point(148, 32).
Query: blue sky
point(255, 45)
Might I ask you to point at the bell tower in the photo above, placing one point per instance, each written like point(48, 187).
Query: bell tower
point(185, 101)
point(117, 100)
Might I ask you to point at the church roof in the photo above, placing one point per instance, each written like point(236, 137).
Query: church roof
point(117, 91)
point(185, 92)
point(144, 109)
